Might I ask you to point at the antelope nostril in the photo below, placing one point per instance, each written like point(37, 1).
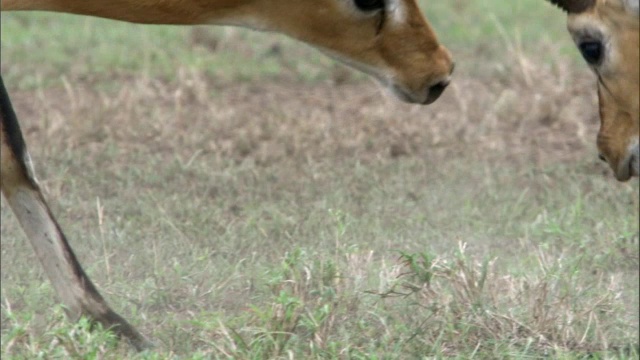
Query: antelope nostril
point(601, 157)
point(453, 67)
point(437, 89)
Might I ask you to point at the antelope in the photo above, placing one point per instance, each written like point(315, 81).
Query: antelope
point(387, 39)
point(606, 33)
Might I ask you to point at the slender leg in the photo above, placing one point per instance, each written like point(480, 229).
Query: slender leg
point(20, 188)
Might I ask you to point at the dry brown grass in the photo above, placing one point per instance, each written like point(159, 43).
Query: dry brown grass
point(460, 300)
point(502, 115)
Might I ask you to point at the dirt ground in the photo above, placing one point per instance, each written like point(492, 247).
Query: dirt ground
point(550, 119)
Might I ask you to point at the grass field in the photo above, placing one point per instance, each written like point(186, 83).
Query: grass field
point(237, 195)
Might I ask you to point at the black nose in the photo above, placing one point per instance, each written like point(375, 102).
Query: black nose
point(436, 90)
point(601, 157)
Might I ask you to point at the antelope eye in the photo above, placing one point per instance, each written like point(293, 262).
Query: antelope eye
point(591, 52)
point(369, 5)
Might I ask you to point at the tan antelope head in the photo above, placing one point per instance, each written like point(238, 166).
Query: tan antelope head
point(606, 32)
point(387, 39)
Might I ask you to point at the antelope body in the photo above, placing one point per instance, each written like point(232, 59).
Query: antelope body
point(387, 39)
point(607, 34)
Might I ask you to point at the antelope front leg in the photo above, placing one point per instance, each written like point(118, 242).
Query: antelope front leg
point(20, 188)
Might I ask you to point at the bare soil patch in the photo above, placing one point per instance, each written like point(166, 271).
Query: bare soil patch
point(551, 119)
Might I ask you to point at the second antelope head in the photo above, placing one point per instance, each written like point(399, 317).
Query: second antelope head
point(606, 32)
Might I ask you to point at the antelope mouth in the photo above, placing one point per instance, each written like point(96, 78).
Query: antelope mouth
point(630, 166)
point(426, 97)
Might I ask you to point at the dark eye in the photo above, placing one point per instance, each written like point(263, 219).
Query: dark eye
point(591, 51)
point(369, 5)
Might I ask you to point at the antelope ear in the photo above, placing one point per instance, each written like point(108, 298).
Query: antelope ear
point(574, 6)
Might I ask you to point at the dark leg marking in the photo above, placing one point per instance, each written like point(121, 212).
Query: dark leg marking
point(23, 194)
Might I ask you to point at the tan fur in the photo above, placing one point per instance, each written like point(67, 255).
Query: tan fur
point(619, 81)
point(405, 57)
